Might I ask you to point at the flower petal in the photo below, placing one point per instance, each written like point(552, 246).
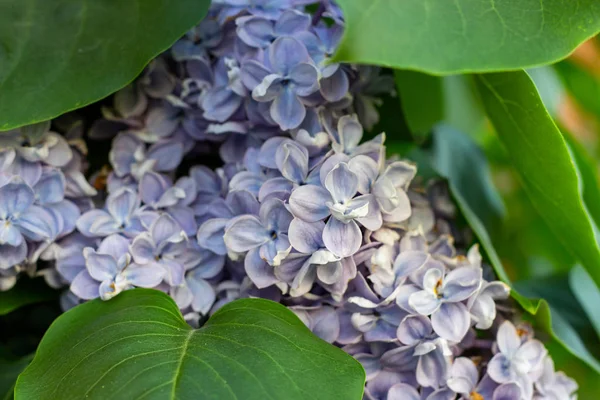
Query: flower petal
point(306, 237)
point(451, 321)
point(341, 239)
point(287, 110)
point(259, 272)
point(342, 183)
point(308, 203)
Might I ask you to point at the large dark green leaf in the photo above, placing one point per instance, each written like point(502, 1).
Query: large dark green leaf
point(138, 345)
point(542, 160)
point(444, 37)
point(26, 291)
point(56, 56)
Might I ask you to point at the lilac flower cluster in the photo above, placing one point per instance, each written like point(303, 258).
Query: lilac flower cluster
point(42, 192)
point(301, 211)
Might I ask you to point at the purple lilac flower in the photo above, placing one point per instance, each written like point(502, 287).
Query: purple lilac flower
point(121, 216)
point(109, 271)
point(516, 362)
point(289, 78)
point(162, 246)
point(442, 296)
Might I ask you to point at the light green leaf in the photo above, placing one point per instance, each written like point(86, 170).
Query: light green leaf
point(26, 291)
point(56, 56)
point(542, 160)
point(138, 345)
point(445, 37)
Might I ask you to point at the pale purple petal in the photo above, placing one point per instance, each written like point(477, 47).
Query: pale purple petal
point(292, 161)
point(287, 110)
point(461, 283)
point(308, 203)
point(97, 223)
point(275, 216)
point(210, 235)
point(261, 273)
point(306, 237)
point(85, 287)
point(413, 329)
point(409, 261)
point(168, 155)
point(305, 77)
point(403, 391)
point(276, 250)
point(285, 53)
point(146, 276)
point(15, 198)
point(166, 230)
point(204, 295)
point(509, 391)
point(463, 376)
point(342, 239)
point(508, 339)
point(244, 233)
point(342, 183)
point(12, 255)
point(432, 369)
point(424, 302)
point(101, 267)
point(366, 169)
point(451, 321)
point(143, 248)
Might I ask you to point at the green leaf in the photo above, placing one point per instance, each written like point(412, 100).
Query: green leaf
point(582, 85)
point(26, 291)
point(588, 174)
point(428, 100)
point(138, 345)
point(56, 56)
point(542, 160)
point(478, 190)
point(445, 37)
point(587, 294)
point(9, 370)
point(422, 100)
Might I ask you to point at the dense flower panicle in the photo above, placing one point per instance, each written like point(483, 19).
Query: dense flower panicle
point(303, 210)
point(42, 192)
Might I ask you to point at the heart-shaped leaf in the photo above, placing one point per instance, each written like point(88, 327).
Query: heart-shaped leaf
point(445, 37)
point(139, 346)
point(56, 56)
